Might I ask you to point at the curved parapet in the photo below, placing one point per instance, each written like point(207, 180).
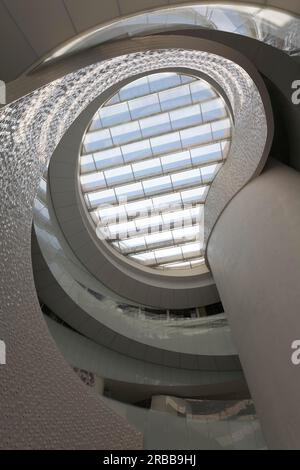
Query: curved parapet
point(136, 373)
point(262, 20)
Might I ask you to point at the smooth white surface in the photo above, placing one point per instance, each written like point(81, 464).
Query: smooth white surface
point(156, 135)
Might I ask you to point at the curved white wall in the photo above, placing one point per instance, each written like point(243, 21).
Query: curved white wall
point(255, 259)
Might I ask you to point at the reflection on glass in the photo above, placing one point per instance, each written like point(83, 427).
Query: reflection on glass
point(277, 28)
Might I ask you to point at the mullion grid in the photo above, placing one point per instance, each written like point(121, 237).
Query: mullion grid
point(148, 230)
point(183, 207)
point(163, 172)
point(157, 155)
point(193, 102)
point(177, 245)
point(154, 136)
point(170, 190)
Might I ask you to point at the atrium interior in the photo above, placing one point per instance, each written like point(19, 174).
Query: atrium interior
point(150, 224)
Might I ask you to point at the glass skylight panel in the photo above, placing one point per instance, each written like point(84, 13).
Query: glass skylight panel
point(38, 205)
point(129, 191)
point(113, 115)
point(196, 135)
point(186, 178)
point(181, 235)
point(110, 214)
point(225, 145)
point(206, 153)
point(169, 200)
point(87, 164)
point(137, 208)
point(163, 144)
point(183, 264)
point(146, 168)
point(201, 91)
point(117, 175)
point(159, 239)
point(195, 195)
point(155, 125)
point(186, 117)
point(162, 81)
point(96, 140)
point(102, 197)
point(168, 254)
point(221, 129)
point(96, 122)
point(187, 79)
point(151, 223)
point(43, 190)
point(146, 259)
point(191, 249)
point(134, 89)
point(144, 106)
point(213, 109)
point(178, 265)
point(157, 185)
point(113, 100)
point(180, 96)
point(126, 133)
point(180, 218)
point(176, 161)
point(107, 158)
point(136, 150)
point(209, 172)
point(92, 181)
point(148, 159)
point(95, 217)
point(197, 262)
point(133, 244)
point(121, 230)
point(139, 226)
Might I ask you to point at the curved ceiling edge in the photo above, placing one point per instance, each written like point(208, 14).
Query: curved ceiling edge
point(209, 15)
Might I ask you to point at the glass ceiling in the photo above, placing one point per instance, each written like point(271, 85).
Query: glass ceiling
point(147, 161)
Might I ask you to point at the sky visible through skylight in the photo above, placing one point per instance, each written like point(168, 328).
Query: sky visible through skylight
point(147, 161)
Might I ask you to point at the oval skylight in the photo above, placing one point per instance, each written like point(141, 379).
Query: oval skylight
point(147, 161)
